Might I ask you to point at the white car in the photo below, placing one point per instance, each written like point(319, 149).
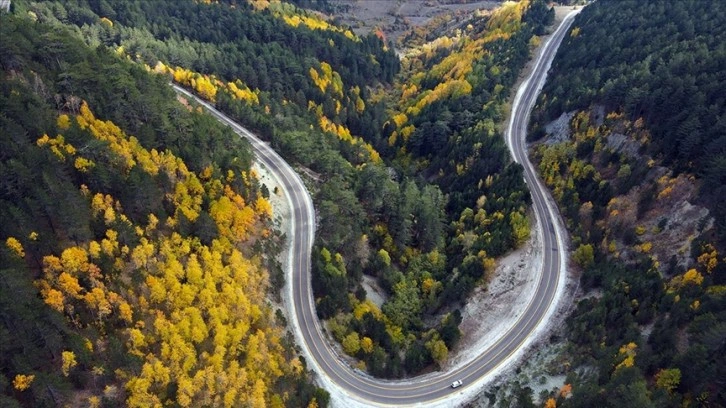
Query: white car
point(456, 384)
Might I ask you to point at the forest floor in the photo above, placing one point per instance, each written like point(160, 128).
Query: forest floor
point(374, 292)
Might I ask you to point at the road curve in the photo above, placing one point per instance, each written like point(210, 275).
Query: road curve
point(433, 389)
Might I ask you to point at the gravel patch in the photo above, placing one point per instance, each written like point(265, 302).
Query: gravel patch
point(490, 312)
point(559, 129)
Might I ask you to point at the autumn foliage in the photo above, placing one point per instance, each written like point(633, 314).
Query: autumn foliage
point(194, 314)
point(207, 86)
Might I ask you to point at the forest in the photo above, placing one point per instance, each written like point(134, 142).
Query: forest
point(642, 82)
point(670, 60)
point(138, 252)
point(341, 108)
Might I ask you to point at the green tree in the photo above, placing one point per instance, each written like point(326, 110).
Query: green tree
point(584, 255)
point(437, 348)
point(520, 227)
point(404, 307)
point(351, 344)
point(668, 378)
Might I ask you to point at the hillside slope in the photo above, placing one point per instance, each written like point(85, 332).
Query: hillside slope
point(635, 161)
point(135, 271)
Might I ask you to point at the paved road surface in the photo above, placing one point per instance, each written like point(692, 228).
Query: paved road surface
point(434, 389)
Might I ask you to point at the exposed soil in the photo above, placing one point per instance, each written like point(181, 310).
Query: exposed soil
point(559, 129)
point(490, 311)
point(374, 292)
point(671, 223)
point(280, 208)
point(394, 17)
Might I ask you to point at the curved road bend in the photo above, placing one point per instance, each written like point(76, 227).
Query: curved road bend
point(365, 390)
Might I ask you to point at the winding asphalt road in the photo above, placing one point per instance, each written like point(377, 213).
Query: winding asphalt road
point(433, 389)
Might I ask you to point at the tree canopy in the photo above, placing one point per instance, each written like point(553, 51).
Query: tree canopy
point(642, 81)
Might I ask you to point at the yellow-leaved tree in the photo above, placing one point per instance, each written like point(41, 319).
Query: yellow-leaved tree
point(22, 382)
point(194, 314)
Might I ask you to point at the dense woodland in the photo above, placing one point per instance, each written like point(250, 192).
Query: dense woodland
point(130, 220)
point(667, 69)
point(137, 249)
point(644, 81)
point(336, 105)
